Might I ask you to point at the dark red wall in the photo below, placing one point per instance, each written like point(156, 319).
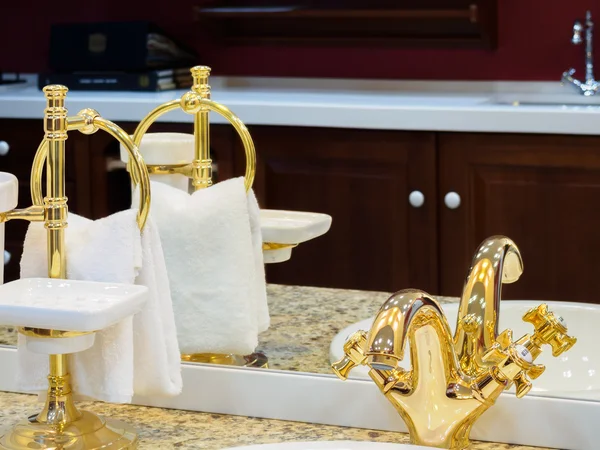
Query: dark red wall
point(534, 43)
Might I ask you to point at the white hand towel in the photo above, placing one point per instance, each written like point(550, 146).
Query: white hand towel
point(137, 356)
point(213, 249)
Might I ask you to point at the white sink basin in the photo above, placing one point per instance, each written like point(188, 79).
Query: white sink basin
point(557, 105)
point(566, 100)
point(333, 445)
point(574, 374)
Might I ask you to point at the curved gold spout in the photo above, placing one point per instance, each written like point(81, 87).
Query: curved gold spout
point(497, 260)
point(402, 313)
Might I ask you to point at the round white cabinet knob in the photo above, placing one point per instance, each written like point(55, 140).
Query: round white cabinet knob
point(7, 257)
point(452, 200)
point(4, 148)
point(416, 199)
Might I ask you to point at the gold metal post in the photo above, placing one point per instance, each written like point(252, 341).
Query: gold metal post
point(59, 409)
point(55, 127)
point(202, 164)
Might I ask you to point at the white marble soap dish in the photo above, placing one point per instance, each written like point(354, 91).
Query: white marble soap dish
point(288, 229)
point(67, 305)
point(9, 191)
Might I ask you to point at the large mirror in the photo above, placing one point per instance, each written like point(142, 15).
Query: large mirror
point(381, 240)
point(377, 244)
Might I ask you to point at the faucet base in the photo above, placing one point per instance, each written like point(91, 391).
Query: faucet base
point(88, 432)
point(459, 441)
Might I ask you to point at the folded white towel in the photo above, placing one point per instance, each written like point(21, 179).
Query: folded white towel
point(140, 355)
point(213, 249)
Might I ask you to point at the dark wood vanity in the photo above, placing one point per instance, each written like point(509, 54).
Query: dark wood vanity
point(410, 23)
point(540, 190)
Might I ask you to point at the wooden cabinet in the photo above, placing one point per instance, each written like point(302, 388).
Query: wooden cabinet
point(542, 191)
point(410, 23)
point(362, 179)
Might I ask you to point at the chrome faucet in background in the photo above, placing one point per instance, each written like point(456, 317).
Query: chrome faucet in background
point(590, 86)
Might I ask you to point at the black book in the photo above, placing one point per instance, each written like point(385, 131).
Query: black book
point(115, 46)
point(149, 81)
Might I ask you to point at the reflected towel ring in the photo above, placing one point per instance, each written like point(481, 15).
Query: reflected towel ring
point(191, 103)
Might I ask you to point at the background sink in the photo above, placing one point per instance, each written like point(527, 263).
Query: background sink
point(333, 445)
point(566, 100)
point(574, 374)
point(539, 104)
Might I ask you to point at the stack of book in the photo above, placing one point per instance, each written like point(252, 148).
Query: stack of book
point(117, 56)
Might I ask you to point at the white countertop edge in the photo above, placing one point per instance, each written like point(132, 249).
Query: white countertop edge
point(363, 104)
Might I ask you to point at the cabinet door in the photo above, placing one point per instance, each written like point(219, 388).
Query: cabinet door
point(541, 191)
point(362, 179)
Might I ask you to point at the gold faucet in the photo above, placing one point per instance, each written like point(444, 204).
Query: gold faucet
point(453, 381)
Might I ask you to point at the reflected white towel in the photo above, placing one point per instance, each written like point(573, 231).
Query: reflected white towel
point(213, 249)
point(137, 356)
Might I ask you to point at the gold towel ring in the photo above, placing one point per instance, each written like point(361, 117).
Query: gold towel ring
point(88, 122)
point(192, 103)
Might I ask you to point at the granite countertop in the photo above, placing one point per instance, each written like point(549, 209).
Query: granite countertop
point(303, 322)
point(174, 429)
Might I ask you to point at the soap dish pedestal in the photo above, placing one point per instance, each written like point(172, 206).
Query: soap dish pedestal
point(60, 425)
point(59, 317)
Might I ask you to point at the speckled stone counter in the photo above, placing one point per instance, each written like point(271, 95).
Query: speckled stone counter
point(303, 322)
point(173, 429)
point(8, 336)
